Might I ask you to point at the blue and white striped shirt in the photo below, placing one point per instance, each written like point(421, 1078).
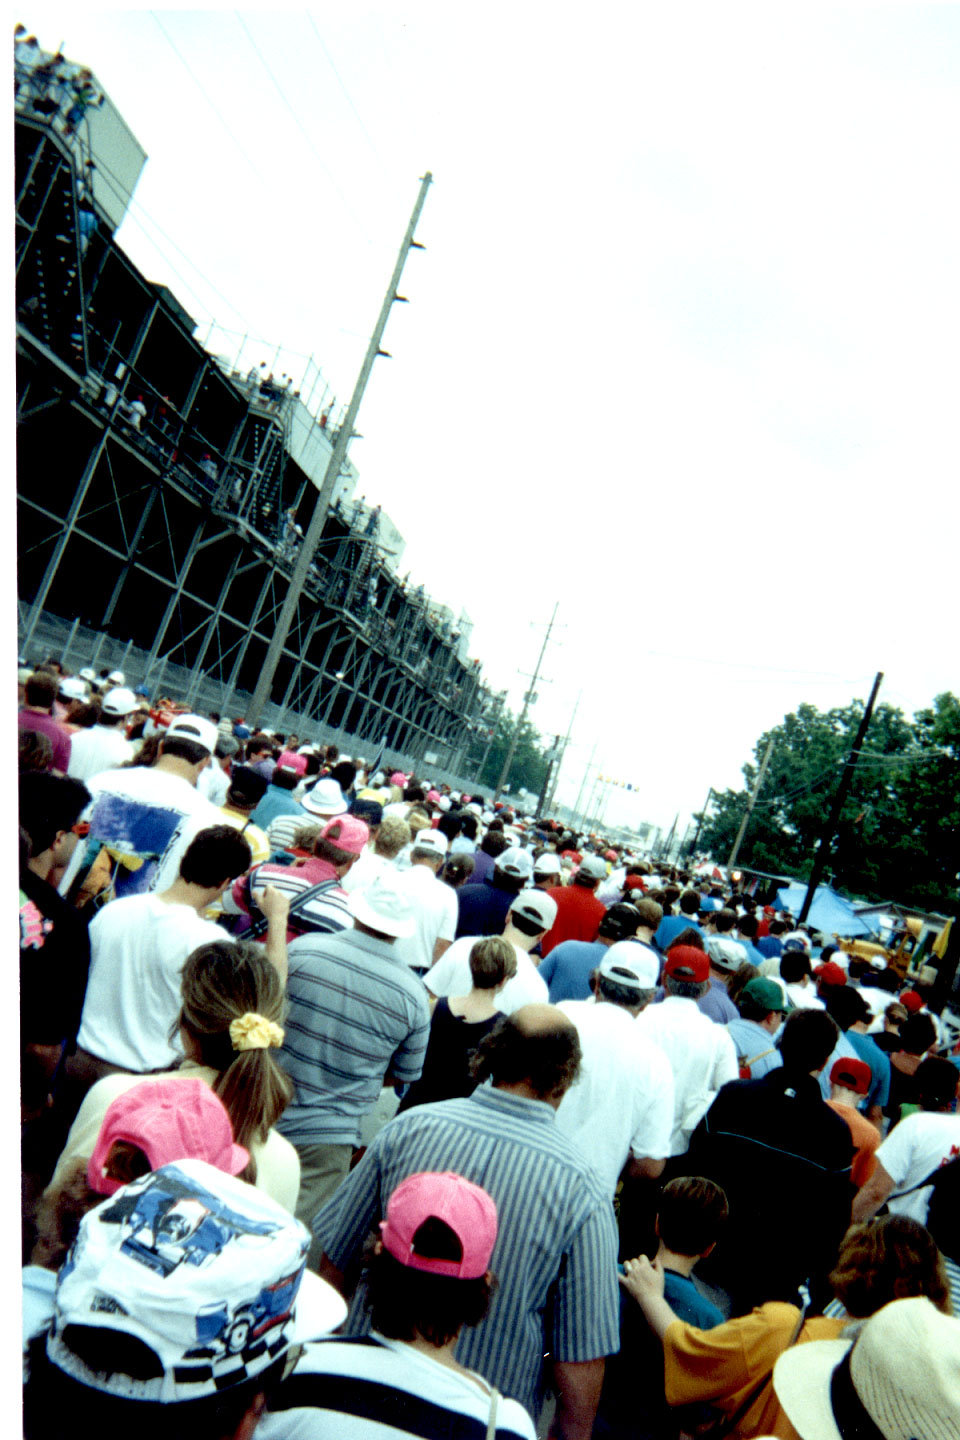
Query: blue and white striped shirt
point(556, 1251)
point(357, 1012)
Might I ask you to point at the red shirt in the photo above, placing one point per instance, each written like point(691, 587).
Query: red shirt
point(579, 913)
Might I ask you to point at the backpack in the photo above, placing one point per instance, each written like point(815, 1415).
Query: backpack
point(943, 1213)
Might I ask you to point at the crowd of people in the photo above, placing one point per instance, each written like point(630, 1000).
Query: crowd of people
point(355, 1104)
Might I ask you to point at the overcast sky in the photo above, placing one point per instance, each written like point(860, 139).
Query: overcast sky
point(682, 351)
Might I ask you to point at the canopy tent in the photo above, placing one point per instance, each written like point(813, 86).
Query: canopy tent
point(829, 913)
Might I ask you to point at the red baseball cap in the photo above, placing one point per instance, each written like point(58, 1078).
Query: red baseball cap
point(686, 962)
point(469, 1212)
point(830, 974)
point(911, 1001)
point(853, 1074)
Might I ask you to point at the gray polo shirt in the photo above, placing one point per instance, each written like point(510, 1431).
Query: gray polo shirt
point(356, 1012)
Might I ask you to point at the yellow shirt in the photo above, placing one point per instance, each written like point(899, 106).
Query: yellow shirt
point(721, 1366)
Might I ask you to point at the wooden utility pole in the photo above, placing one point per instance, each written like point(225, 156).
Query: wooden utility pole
point(703, 815)
point(566, 741)
point(332, 473)
point(826, 838)
point(528, 699)
point(750, 804)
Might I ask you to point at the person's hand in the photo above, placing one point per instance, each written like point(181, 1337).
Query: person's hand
point(643, 1279)
point(274, 903)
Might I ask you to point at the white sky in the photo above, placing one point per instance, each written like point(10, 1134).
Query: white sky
point(683, 347)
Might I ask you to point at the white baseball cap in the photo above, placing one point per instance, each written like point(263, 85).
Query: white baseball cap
point(116, 677)
point(196, 728)
point(516, 862)
point(629, 963)
point(119, 701)
point(73, 688)
point(547, 864)
point(431, 840)
point(537, 906)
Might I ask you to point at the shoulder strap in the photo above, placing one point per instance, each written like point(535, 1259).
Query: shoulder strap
point(259, 927)
point(754, 1058)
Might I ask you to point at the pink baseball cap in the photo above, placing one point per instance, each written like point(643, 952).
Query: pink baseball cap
point(469, 1211)
point(434, 797)
point(398, 778)
point(169, 1119)
point(291, 761)
point(347, 833)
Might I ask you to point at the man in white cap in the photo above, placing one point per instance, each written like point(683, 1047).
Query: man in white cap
point(145, 817)
point(528, 920)
point(434, 903)
point(621, 1110)
point(105, 745)
point(358, 1019)
point(481, 909)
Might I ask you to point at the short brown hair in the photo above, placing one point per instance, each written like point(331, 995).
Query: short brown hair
point(393, 835)
point(649, 911)
point(888, 1259)
point(692, 1212)
point(491, 961)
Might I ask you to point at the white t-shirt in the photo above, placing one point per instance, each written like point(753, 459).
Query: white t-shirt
point(920, 1144)
point(451, 977)
point(149, 813)
point(102, 747)
point(430, 1398)
point(137, 950)
point(804, 997)
point(435, 911)
point(701, 1054)
point(214, 783)
point(623, 1102)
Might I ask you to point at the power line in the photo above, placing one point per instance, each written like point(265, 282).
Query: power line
point(299, 124)
point(349, 98)
point(199, 84)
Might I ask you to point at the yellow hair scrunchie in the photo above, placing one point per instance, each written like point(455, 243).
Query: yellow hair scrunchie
point(254, 1032)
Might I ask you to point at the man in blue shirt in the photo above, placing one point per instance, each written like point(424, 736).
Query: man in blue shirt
point(482, 908)
point(672, 925)
point(567, 969)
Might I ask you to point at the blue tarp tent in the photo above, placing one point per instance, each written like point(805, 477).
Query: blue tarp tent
point(829, 913)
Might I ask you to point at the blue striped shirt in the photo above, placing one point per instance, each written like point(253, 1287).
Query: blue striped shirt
point(556, 1251)
point(357, 1012)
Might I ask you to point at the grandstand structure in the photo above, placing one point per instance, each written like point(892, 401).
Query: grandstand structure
point(162, 494)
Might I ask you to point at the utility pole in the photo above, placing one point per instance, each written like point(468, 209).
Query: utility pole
point(501, 701)
point(668, 843)
point(583, 784)
point(846, 776)
point(528, 700)
point(703, 816)
point(554, 756)
point(750, 804)
point(332, 472)
point(566, 741)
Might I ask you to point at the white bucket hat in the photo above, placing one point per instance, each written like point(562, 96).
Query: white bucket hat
point(326, 798)
point(384, 907)
point(901, 1375)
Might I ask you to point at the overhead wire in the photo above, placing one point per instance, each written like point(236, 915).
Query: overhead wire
point(349, 99)
point(300, 126)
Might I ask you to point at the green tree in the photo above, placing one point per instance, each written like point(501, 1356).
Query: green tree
point(528, 768)
point(897, 837)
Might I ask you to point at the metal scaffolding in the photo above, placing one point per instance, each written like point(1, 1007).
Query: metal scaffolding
point(160, 506)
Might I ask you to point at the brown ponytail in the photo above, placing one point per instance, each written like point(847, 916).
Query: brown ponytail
point(220, 983)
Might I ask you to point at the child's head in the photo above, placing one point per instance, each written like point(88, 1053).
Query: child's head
point(692, 1213)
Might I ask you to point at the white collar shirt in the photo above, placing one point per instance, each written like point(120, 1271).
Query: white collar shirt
point(701, 1055)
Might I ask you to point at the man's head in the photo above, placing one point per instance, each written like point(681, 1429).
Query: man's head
point(650, 912)
point(429, 1275)
point(546, 869)
point(370, 812)
point(829, 977)
point(341, 841)
point(40, 691)
point(626, 976)
point(536, 1050)
point(807, 1041)
point(530, 916)
point(190, 741)
point(117, 706)
point(726, 956)
point(686, 972)
point(763, 1000)
point(794, 965)
point(429, 849)
point(514, 868)
point(937, 1081)
point(850, 1081)
point(724, 921)
point(917, 1034)
point(246, 789)
point(621, 922)
point(846, 1005)
point(50, 807)
point(690, 903)
point(392, 837)
point(592, 870)
point(215, 857)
